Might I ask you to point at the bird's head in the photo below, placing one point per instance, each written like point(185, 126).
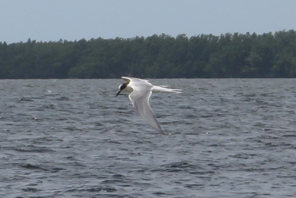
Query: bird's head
point(121, 87)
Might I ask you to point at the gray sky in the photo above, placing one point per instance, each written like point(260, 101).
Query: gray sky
point(52, 20)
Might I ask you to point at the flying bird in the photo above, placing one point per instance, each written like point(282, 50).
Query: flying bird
point(140, 91)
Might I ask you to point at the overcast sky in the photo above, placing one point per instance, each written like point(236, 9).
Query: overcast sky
point(52, 20)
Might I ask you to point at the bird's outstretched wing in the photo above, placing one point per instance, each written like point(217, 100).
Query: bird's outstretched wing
point(126, 78)
point(140, 100)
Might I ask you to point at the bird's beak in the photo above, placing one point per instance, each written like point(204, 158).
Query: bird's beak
point(118, 93)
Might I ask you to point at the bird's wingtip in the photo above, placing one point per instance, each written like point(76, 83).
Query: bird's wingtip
point(126, 78)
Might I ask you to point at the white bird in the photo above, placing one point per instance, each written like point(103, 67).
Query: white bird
point(140, 91)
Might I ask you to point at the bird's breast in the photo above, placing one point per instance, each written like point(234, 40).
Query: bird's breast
point(128, 89)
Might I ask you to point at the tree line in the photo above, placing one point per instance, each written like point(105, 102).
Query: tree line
point(230, 55)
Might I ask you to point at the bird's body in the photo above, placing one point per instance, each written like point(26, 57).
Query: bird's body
point(140, 91)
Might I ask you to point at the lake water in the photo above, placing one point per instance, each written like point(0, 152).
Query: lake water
point(74, 138)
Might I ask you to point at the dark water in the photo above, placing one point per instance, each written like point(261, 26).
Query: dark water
point(73, 138)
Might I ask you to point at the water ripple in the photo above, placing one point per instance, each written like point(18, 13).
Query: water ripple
point(73, 138)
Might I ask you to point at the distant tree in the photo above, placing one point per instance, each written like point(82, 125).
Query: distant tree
point(159, 56)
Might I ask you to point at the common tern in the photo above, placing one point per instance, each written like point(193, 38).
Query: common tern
point(140, 91)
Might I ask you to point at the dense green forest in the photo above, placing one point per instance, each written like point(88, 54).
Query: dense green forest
point(157, 56)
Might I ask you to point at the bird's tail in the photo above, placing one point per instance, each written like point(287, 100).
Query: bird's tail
point(165, 89)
